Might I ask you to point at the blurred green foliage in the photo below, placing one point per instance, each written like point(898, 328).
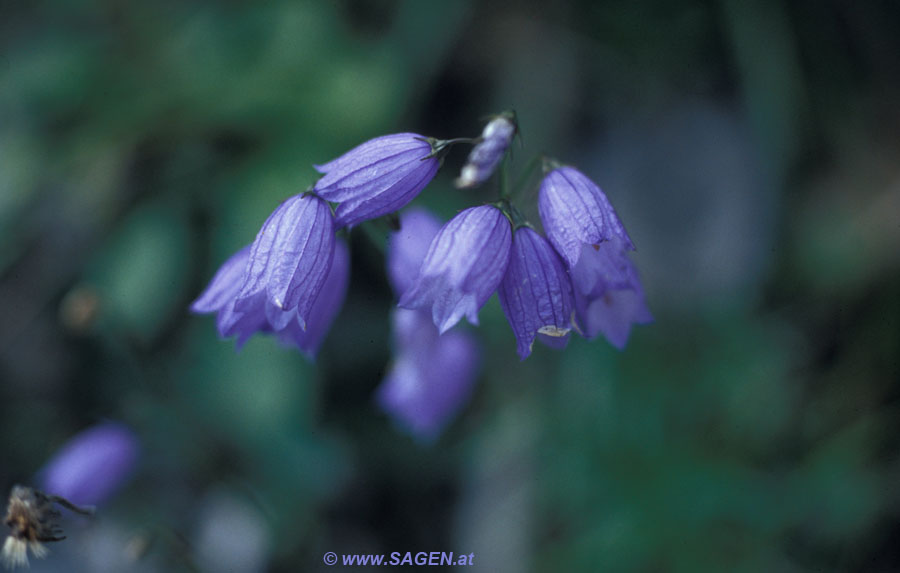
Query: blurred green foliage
point(751, 428)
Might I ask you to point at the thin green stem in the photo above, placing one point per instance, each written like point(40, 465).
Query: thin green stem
point(503, 177)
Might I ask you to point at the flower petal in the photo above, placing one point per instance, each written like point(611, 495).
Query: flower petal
point(576, 212)
point(225, 284)
point(378, 177)
point(463, 267)
point(536, 292)
point(290, 257)
point(324, 310)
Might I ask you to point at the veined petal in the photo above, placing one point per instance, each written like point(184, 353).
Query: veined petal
point(369, 152)
point(387, 199)
point(378, 177)
point(463, 267)
point(290, 257)
point(536, 292)
point(576, 212)
point(243, 324)
point(325, 308)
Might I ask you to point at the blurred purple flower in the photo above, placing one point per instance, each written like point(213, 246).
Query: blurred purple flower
point(609, 297)
point(288, 262)
point(432, 375)
point(92, 465)
point(486, 155)
point(408, 246)
point(463, 267)
point(536, 292)
point(575, 212)
point(377, 177)
point(324, 309)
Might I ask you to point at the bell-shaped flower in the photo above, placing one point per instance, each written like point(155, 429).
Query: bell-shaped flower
point(575, 212)
point(91, 466)
point(432, 375)
point(463, 267)
point(288, 262)
point(486, 155)
point(324, 309)
point(536, 292)
point(377, 177)
point(609, 297)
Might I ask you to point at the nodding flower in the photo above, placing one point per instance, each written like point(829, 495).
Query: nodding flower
point(463, 267)
point(290, 281)
point(378, 177)
point(585, 230)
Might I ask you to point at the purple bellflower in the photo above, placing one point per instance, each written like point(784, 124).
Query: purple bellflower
point(536, 293)
point(575, 212)
point(289, 261)
point(377, 177)
point(276, 283)
point(91, 466)
point(463, 267)
point(432, 374)
point(584, 228)
point(324, 309)
point(486, 155)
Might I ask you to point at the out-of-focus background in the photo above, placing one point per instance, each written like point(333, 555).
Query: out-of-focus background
point(752, 149)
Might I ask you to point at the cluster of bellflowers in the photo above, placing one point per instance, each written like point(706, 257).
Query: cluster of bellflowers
point(575, 277)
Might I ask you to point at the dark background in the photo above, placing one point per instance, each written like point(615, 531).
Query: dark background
point(752, 149)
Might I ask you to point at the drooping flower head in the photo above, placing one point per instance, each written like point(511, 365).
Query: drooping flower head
point(575, 212)
point(324, 309)
point(536, 292)
point(377, 177)
point(288, 261)
point(585, 230)
point(463, 267)
point(273, 284)
point(486, 155)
